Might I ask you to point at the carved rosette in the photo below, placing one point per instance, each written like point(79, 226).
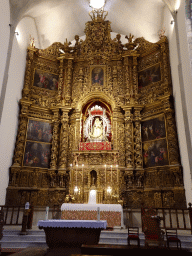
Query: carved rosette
point(30, 57)
point(63, 139)
point(20, 143)
point(138, 160)
point(55, 140)
point(129, 138)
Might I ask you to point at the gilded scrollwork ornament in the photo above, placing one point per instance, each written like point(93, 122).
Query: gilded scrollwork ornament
point(30, 57)
point(68, 82)
point(20, 143)
point(63, 139)
point(172, 137)
point(55, 140)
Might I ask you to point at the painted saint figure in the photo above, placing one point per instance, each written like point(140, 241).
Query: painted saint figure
point(97, 76)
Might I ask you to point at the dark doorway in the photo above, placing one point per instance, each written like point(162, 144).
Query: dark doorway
point(93, 174)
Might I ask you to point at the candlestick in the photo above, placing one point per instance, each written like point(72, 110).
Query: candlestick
point(117, 173)
point(70, 175)
point(105, 175)
point(76, 174)
point(82, 172)
point(111, 175)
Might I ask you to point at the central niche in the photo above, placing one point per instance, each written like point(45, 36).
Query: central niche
point(96, 122)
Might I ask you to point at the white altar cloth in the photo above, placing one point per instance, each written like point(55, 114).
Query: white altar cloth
point(72, 223)
point(92, 207)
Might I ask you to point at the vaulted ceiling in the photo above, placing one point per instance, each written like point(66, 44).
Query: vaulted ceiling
point(60, 19)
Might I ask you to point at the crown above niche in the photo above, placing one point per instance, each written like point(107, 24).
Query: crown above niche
point(98, 15)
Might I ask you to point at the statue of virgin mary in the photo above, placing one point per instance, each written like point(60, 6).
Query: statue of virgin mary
point(97, 130)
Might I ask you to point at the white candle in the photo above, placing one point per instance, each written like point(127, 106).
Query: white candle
point(70, 173)
point(117, 174)
point(105, 175)
point(98, 213)
point(111, 175)
point(82, 172)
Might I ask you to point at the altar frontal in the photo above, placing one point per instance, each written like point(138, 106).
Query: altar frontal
point(112, 213)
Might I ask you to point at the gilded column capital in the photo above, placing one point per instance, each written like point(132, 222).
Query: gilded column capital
point(137, 112)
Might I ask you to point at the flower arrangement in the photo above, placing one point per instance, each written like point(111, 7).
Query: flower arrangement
point(69, 198)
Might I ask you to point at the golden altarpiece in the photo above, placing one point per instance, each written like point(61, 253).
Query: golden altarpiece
point(99, 115)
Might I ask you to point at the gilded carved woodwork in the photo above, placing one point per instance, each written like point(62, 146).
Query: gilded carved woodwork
point(55, 140)
point(129, 138)
point(63, 140)
point(138, 161)
point(136, 86)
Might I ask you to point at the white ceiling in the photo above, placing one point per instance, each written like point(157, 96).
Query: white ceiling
point(57, 20)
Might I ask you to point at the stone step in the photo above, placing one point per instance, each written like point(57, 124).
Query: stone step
point(29, 232)
point(36, 238)
point(23, 244)
point(18, 238)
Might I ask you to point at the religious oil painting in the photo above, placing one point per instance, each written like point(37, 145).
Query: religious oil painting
point(149, 76)
point(37, 154)
point(155, 153)
point(153, 129)
point(39, 131)
point(45, 80)
point(97, 76)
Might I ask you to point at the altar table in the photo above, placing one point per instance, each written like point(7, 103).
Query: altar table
point(71, 233)
point(112, 213)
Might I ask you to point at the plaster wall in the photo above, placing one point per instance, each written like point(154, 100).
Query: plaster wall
point(181, 90)
point(10, 115)
point(4, 36)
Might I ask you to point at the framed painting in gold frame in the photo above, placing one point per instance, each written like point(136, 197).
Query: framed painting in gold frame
point(153, 128)
point(149, 76)
point(39, 131)
point(155, 153)
point(43, 79)
point(37, 154)
point(98, 75)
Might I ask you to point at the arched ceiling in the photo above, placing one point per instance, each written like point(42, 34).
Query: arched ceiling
point(60, 19)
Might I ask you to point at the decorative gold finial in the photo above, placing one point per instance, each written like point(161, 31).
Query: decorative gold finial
point(98, 15)
point(32, 41)
point(66, 46)
point(130, 38)
point(130, 45)
point(161, 33)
